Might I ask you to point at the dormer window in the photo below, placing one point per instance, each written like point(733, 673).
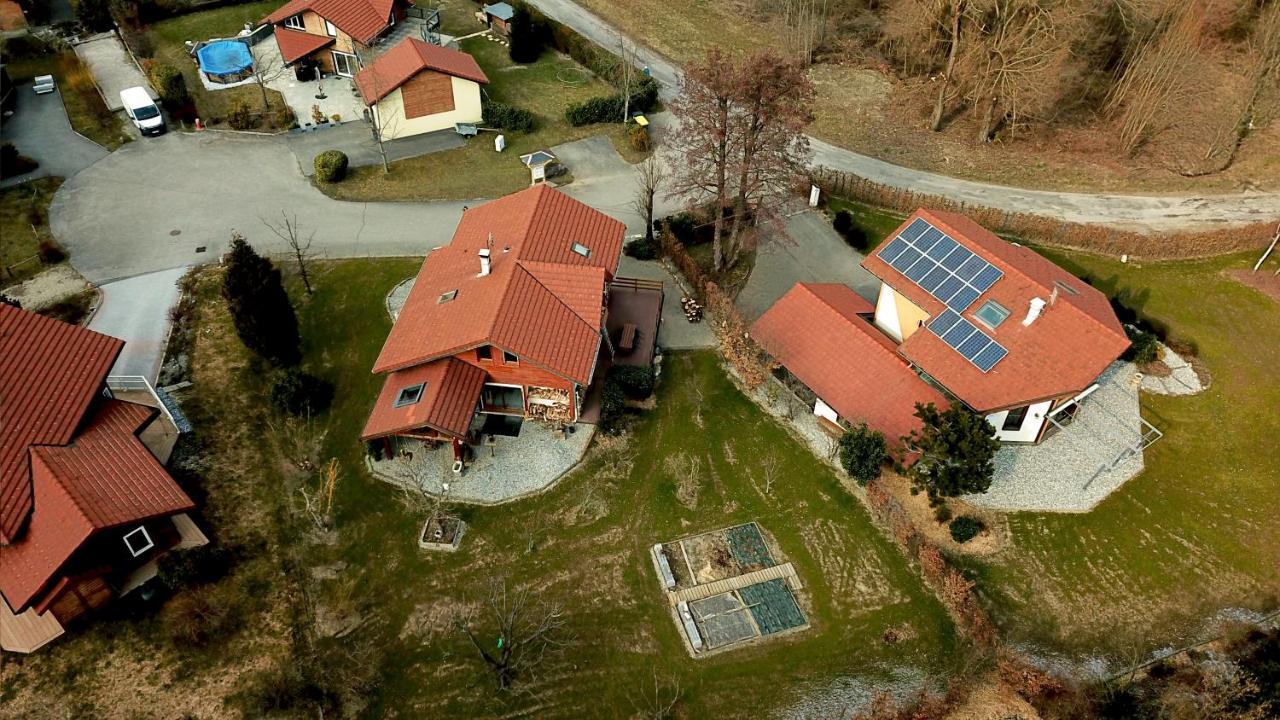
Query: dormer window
point(138, 541)
point(484, 353)
point(295, 22)
point(582, 250)
point(992, 314)
point(410, 395)
point(446, 297)
point(510, 358)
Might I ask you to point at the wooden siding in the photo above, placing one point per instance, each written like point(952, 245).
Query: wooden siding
point(427, 93)
point(314, 24)
point(524, 374)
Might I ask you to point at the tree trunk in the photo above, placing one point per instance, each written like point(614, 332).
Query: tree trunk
point(939, 105)
point(722, 183)
point(648, 214)
point(262, 85)
point(302, 270)
point(989, 120)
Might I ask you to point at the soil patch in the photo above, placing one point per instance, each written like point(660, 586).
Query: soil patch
point(48, 288)
point(1267, 283)
point(988, 542)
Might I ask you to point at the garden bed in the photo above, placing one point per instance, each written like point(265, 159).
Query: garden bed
point(442, 532)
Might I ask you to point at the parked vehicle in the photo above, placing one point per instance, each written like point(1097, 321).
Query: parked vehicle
point(142, 111)
point(44, 84)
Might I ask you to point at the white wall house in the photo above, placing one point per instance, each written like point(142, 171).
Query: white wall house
point(416, 87)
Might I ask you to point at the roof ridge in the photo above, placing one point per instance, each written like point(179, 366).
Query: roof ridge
point(552, 293)
point(847, 321)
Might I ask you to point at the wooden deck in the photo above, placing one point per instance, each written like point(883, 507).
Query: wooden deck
point(698, 592)
point(635, 305)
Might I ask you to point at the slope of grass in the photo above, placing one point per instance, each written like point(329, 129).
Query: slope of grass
point(24, 217)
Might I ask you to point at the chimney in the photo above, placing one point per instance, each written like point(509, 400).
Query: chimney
point(484, 261)
point(1033, 312)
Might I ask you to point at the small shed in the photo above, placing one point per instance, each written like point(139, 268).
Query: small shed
point(537, 163)
point(498, 16)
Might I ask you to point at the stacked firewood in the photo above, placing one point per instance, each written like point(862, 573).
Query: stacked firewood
point(692, 309)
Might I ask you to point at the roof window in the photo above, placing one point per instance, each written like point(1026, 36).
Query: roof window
point(992, 314)
point(138, 541)
point(410, 395)
point(1070, 290)
point(582, 250)
point(446, 297)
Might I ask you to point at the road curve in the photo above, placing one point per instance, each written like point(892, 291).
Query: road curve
point(1141, 212)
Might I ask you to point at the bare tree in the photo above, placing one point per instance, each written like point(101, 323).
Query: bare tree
point(1159, 79)
point(659, 701)
point(806, 22)
point(702, 148)
point(288, 230)
point(523, 633)
point(651, 174)
point(382, 126)
point(772, 106)
point(626, 74)
point(266, 69)
point(770, 471)
point(317, 502)
point(954, 18)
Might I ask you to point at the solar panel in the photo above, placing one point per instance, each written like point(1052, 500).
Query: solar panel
point(943, 267)
point(965, 338)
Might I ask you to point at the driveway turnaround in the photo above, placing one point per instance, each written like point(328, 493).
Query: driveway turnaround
point(137, 311)
point(1130, 211)
point(172, 201)
point(113, 70)
point(39, 129)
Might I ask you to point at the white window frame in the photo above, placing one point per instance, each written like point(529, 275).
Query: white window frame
point(352, 66)
point(294, 22)
point(524, 398)
point(146, 535)
point(330, 29)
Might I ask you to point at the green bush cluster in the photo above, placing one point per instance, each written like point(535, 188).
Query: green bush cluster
point(301, 394)
point(965, 528)
point(608, 108)
point(528, 35)
point(259, 305)
point(683, 226)
point(863, 452)
point(636, 381)
point(505, 117)
point(1145, 347)
point(613, 404)
point(172, 86)
point(331, 166)
point(642, 248)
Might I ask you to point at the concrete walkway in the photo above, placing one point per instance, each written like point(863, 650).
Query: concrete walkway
point(40, 130)
point(137, 311)
point(1142, 212)
point(113, 70)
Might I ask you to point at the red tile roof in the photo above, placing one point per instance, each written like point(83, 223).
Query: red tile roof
point(448, 401)
point(363, 20)
point(408, 58)
point(295, 44)
point(816, 332)
point(104, 478)
point(542, 314)
point(49, 373)
point(1061, 352)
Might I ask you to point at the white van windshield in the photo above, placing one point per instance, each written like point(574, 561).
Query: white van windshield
point(146, 112)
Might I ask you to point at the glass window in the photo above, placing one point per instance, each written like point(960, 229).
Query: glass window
point(138, 541)
point(446, 297)
point(1013, 421)
point(484, 353)
point(509, 357)
point(410, 395)
point(992, 314)
point(582, 250)
point(294, 22)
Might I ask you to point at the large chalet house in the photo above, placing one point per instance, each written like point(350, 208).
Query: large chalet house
point(960, 314)
point(330, 33)
point(515, 319)
point(86, 509)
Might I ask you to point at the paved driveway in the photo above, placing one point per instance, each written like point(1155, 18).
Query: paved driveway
point(153, 204)
point(128, 311)
point(113, 70)
point(810, 251)
point(39, 129)
point(356, 140)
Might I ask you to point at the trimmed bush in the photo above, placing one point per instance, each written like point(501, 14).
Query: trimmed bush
point(171, 85)
point(855, 236)
point(608, 108)
point(505, 117)
point(965, 528)
point(1145, 348)
point(613, 403)
point(642, 249)
point(635, 381)
point(331, 166)
point(300, 394)
point(862, 453)
point(683, 226)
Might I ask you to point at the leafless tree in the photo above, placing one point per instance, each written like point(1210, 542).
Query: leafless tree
point(651, 174)
point(288, 230)
point(770, 471)
point(954, 21)
point(266, 69)
point(382, 126)
point(626, 73)
point(806, 22)
point(659, 701)
point(524, 633)
point(317, 502)
point(1160, 77)
point(701, 150)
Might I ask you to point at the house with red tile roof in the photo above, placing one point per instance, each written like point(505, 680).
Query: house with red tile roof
point(515, 319)
point(330, 34)
point(416, 87)
point(960, 313)
point(86, 508)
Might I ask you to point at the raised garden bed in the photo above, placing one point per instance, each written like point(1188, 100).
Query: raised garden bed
point(442, 532)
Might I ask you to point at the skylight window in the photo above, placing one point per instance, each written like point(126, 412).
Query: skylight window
point(446, 297)
point(138, 541)
point(1070, 290)
point(992, 314)
point(410, 395)
point(582, 250)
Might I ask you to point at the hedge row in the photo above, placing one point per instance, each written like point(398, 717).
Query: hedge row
point(608, 108)
point(505, 117)
point(603, 63)
point(1051, 231)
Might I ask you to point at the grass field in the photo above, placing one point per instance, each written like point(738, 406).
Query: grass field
point(476, 171)
point(582, 544)
point(21, 206)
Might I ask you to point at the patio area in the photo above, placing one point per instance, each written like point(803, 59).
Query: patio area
point(503, 468)
point(1079, 466)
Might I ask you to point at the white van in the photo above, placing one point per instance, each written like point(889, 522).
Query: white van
point(142, 111)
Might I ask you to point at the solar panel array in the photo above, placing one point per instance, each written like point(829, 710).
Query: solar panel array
point(943, 267)
point(976, 346)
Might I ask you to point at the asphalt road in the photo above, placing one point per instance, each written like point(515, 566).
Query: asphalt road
point(1132, 211)
point(137, 310)
point(40, 130)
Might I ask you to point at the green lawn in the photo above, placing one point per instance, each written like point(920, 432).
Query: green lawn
point(169, 36)
point(583, 544)
point(22, 207)
point(476, 171)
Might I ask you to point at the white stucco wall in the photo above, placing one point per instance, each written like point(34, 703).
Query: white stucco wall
point(466, 109)
point(824, 410)
point(887, 313)
point(1031, 424)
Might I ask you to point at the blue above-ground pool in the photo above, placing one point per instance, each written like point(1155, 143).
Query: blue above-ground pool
point(225, 61)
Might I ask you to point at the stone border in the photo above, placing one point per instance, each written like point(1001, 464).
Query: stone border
point(443, 547)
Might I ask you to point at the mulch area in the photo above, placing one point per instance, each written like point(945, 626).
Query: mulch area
point(1265, 280)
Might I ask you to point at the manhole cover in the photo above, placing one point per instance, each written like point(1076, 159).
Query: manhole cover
point(202, 248)
point(175, 233)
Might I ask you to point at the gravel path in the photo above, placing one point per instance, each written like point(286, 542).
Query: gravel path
point(1182, 379)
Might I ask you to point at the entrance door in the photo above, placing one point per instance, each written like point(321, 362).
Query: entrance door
point(344, 64)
